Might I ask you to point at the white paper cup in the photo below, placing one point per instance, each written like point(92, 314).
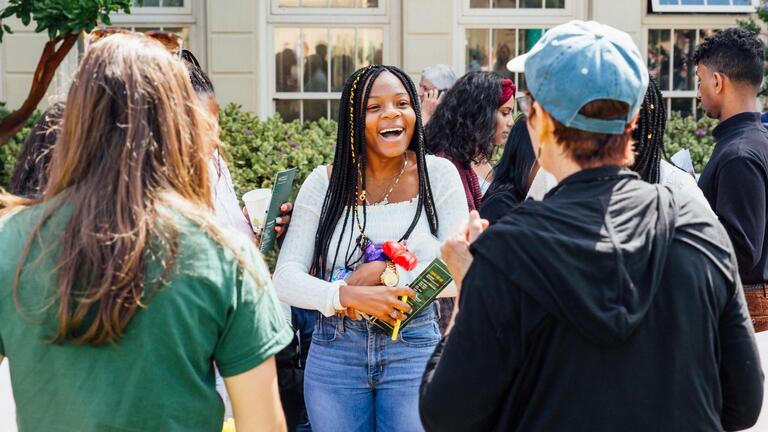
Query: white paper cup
point(257, 203)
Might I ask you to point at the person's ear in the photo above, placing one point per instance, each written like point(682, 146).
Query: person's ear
point(718, 82)
point(632, 125)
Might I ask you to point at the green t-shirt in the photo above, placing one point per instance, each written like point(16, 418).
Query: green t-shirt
point(160, 375)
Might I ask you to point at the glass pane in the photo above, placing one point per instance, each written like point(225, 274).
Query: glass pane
point(370, 47)
point(683, 105)
point(528, 38)
point(173, 3)
point(659, 46)
point(692, 2)
point(335, 109)
point(479, 4)
point(314, 3)
point(683, 68)
point(670, 2)
point(342, 57)
point(288, 109)
point(477, 49)
point(315, 109)
point(288, 3)
point(315, 48)
point(520, 81)
point(719, 2)
point(344, 3)
point(505, 4)
point(370, 3)
point(504, 41)
point(555, 4)
point(148, 3)
point(742, 2)
point(530, 4)
point(287, 59)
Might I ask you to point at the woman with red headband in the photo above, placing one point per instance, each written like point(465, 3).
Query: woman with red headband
point(474, 118)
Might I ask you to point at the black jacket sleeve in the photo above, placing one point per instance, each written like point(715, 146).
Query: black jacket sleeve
point(741, 375)
point(741, 207)
point(471, 370)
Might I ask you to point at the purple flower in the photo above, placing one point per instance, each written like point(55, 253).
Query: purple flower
point(247, 132)
point(294, 145)
point(701, 132)
point(280, 152)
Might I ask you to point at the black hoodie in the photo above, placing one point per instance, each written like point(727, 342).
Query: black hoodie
point(610, 305)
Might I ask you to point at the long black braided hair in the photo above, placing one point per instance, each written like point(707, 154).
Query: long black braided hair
point(349, 164)
point(649, 135)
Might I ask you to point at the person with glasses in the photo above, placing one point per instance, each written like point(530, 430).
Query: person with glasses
point(613, 304)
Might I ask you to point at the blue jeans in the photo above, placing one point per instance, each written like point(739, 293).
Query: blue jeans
point(358, 379)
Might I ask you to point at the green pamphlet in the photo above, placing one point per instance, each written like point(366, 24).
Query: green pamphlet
point(427, 285)
point(281, 191)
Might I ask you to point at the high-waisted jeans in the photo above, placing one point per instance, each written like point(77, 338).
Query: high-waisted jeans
point(358, 379)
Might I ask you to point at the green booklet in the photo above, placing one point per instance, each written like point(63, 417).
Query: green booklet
point(427, 285)
point(281, 191)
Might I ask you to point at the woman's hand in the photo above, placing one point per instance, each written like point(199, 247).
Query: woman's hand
point(382, 302)
point(432, 99)
point(368, 274)
point(281, 223)
point(455, 250)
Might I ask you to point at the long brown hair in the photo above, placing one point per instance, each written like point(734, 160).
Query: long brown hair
point(131, 158)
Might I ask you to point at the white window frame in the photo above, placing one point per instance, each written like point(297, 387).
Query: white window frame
point(381, 10)
point(656, 6)
point(508, 19)
point(668, 95)
point(571, 9)
point(382, 18)
point(187, 9)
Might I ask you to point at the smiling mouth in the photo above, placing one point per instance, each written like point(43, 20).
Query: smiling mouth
point(391, 133)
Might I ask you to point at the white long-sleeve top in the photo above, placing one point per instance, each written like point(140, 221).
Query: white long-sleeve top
point(292, 281)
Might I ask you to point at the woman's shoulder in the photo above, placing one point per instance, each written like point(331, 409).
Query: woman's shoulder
point(439, 165)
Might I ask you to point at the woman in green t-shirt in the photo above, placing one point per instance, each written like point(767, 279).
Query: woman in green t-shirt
point(118, 290)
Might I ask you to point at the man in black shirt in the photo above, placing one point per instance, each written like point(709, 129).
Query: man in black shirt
point(730, 69)
point(610, 305)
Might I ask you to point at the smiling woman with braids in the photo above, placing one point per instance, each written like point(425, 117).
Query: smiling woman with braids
point(381, 187)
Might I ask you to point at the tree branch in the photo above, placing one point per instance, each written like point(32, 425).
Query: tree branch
point(50, 60)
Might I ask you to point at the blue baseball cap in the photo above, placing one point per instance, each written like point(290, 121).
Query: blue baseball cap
point(580, 62)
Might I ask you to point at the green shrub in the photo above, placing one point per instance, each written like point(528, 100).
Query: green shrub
point(10, 150)
point(687, 133)
point(257, 149)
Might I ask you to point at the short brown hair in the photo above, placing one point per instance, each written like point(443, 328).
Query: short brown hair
point(590, 148)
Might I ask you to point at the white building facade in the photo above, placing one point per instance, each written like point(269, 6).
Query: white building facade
point(292, 56)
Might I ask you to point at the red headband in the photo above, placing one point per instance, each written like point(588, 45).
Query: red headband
point(508, 90)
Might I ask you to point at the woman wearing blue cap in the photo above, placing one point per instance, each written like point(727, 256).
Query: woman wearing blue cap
point(611, 304)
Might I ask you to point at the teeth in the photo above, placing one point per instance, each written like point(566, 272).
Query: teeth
point(391, 130)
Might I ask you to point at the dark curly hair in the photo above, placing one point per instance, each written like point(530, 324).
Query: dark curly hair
point(30, 175)
point(734, 52)
point(464, 125)
point(512, 172)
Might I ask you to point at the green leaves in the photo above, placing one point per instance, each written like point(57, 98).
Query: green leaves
point(257, 149)
point(60, 18)
point(687, 133)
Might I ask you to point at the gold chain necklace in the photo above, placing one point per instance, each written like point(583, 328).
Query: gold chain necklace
point(385, 199)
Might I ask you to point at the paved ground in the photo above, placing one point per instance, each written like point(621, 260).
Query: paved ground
point(8, 415)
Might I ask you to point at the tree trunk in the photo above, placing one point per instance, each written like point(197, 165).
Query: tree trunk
point(50, 60)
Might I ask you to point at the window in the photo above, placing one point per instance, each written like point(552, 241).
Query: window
point(328, 3)
point(491, 49)
point(312, 64)
point(705, 6)
point(517, 4)
point(670, 62)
